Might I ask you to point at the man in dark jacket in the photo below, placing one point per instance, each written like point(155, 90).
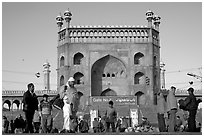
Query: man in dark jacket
point(110, 115)
point(191, 106)
point(30, 104)
point(5, 125)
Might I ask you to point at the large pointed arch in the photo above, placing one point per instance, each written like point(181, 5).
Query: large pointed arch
point(104, 68)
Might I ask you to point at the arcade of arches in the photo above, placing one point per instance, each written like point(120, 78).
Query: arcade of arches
point(12, 105)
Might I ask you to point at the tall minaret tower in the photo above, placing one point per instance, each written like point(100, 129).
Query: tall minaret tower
point(150, 17)
point(67, 18)
point(157, 22)
point(46, 71)
point(59, 20)
point(162, 75)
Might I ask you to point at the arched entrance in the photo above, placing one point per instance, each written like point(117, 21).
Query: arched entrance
point(140, 98)
point(108, 92)
point(108, 72)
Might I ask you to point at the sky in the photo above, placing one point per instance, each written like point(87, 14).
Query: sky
point(29, 37)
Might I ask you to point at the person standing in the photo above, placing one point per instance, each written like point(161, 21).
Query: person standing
point(12, 126)
point(172, 109)
point(30, 104)
point(5, 125)
point(160, 112)
point(191, 106)
point(46, 114)
point(70, 98)
point(36, 121)
point(95, 125)
point(111, 116)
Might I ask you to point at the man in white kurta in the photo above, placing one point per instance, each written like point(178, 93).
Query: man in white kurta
point(71, 101)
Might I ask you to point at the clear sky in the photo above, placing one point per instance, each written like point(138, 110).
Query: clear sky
point(29, 37)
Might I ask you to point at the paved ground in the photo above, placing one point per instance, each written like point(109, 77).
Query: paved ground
point(132, 133)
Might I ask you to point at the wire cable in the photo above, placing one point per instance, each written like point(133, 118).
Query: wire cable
point(183, 70)
point(17, 82)
point(26, 73)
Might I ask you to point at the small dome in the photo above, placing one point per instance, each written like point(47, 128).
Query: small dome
point(59, 18)
point(67, 13)
point(149, 12)
point(156, 17)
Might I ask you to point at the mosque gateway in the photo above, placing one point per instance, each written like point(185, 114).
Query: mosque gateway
point(110, 62)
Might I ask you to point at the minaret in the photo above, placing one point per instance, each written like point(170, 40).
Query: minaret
point(162, 75)
point(157, 22)
point(67, 18)
point(149, 16)
point(59, 20)
point(46, 71)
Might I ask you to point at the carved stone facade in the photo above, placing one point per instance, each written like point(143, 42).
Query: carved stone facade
point(110, 60)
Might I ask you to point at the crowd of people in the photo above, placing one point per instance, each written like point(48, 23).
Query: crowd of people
point(38, 116)
point(14, 126)
point(169, 120)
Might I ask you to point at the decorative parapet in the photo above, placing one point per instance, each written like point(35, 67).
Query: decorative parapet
point(21, 92)
point(183, 92)
point(108, 34)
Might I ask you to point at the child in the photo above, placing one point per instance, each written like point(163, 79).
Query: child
point(46, 114)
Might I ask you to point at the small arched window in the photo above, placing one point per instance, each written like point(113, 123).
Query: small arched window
point(78, 78)
point(61, 80)
point(113, 75)
point(140, 98)
point(104, 75)
point(108, 75)
point(62, 61)
point(138, 58)
point(77, 58)
point(139, 78)
point(155, 61)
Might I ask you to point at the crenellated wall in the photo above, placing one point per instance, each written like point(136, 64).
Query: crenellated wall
point(108, 34)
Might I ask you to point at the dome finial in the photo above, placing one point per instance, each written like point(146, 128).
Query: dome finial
point(59, 20)
point(149, 16)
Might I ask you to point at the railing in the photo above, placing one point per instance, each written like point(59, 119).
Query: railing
point(21, 92)
point(185, 92)
point(108, 34)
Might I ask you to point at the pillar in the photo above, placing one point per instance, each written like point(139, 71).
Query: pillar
point(46, 71)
